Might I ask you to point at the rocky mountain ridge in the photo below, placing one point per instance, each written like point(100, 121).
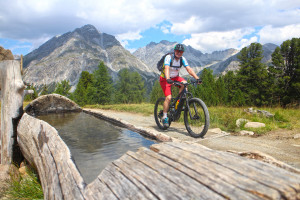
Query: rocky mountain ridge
point(65, 57)
point(218, 61)
point(151, 53)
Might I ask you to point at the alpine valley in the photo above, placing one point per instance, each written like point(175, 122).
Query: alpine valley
point(65, 57)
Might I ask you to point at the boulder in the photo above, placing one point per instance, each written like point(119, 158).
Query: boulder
point(265, 113)
point(297, 136)
point(262, 112)
point(254, 125)
point(244, 132)
point(215, 130)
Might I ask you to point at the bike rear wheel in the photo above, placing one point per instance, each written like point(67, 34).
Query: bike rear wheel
point(196, 118)
point(158, 113)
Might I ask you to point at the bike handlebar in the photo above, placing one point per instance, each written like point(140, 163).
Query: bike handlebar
point(185, 84)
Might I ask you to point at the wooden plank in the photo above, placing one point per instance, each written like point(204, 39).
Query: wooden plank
point(160, 186)
point(206, 174)
point(240, 165)
point(131, 176)
point(175, 175)
point(121, 186)
point(270, 172)
point(151, 180)
point(98, 190)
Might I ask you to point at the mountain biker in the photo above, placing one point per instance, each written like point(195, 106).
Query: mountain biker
point(170, 73)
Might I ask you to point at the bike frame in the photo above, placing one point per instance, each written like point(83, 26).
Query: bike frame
point(183, 95)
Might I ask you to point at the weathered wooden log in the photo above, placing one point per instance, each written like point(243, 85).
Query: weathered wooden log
point(43, 148)
point(51, 103)
point(12, 88)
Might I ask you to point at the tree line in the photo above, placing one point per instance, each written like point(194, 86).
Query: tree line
point(253, 84)
point(98, 88)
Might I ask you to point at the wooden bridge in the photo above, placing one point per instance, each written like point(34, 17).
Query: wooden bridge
point(165, 171)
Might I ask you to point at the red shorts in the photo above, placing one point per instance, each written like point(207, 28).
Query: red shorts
point(166, 87)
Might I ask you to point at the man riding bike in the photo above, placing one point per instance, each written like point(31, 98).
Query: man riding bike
point(170, 73)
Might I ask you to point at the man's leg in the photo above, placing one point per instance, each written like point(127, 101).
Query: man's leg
point(167, 103)
point(180, 79)
point(168, 96)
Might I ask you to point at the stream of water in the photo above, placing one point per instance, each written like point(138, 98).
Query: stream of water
point(93, 142)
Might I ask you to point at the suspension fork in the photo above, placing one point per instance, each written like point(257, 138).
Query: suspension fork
point(188, 106)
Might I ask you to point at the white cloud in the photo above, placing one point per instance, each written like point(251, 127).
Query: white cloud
point(277, 35)
point(166, 28)
point(222, 23)
point(123, 38)
point(191, 25)
point(212, 41)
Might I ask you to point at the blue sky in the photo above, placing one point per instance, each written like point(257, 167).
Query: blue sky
point(156, 34)
point(16, 46)
point(205, 25)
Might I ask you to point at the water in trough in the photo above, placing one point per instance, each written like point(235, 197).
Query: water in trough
point(94, 142)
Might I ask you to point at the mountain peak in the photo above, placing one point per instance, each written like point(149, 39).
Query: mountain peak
point(88, 31)
point(87, 28)
point(270, 46)
point(165, 42)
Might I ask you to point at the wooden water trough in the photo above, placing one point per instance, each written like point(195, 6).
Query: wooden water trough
point(165, 171)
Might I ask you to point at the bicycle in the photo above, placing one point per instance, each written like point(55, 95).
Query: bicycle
point(196, 115)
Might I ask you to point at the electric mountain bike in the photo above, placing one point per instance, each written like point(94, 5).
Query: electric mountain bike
point(196, 116)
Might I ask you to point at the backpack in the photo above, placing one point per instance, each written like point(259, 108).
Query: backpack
point(160, 63)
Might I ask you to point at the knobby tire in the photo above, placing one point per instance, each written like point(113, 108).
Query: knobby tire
point(196, 118)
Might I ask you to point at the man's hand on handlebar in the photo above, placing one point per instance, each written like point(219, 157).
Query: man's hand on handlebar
point(170, 81)
point(199, 81)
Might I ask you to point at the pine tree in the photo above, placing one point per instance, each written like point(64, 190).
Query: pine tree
point(137, 88)
point(286, 71)
point(63, 88)
point(123, 86)
point(32, 96)
point(206, 91)
point(252, 75)
point(230, 87)
point(221, 92)
point(100, 90)
point(80, 93)
point(130, 87)
point(156, 92)
point(44, 90)
point(238, 98)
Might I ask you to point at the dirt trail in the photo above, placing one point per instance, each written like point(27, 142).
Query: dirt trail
point(279, 144)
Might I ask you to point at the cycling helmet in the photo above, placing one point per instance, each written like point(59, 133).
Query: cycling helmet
point(179, 47)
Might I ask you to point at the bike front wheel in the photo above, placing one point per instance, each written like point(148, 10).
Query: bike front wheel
point(196, 118)
point(158, 113)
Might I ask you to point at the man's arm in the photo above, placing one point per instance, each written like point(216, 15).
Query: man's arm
point(191, 72)
point(167, 69)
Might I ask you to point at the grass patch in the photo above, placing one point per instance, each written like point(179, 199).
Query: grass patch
point(26, 187)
